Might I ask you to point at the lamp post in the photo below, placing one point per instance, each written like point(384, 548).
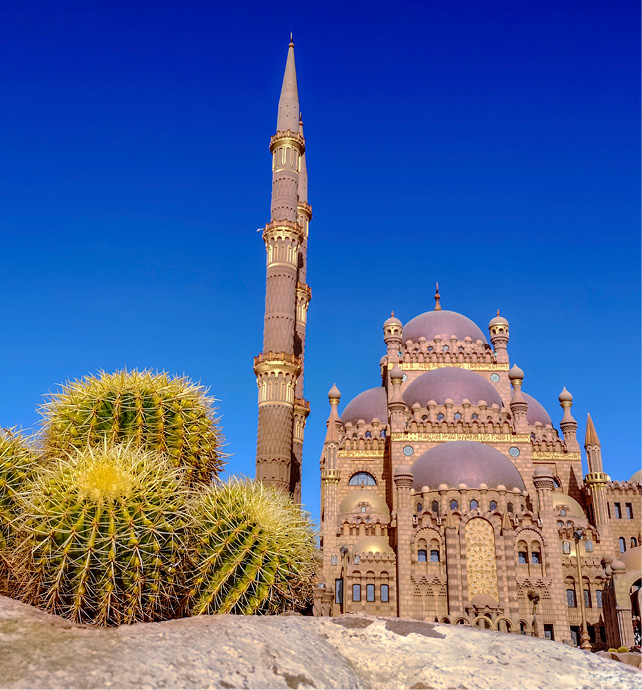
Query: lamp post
point(585, 642)
point(344, 571)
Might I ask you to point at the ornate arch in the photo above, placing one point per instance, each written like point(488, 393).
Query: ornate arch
point(481, 558)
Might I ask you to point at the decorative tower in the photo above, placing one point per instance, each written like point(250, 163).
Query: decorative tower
point(279, 368)
point(596, 480)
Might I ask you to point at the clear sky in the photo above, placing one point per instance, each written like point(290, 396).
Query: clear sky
point(493, 147)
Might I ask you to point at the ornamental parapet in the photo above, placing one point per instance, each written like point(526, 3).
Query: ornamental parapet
point(331, 475)
point(268, 362)
point(290, 229)
point(597, 478)
point(303, 291)
point(301, 407)
point(287, 138)
point(442, 437)
point(305, 208)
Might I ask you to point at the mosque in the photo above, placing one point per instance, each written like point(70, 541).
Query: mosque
point(447, 493)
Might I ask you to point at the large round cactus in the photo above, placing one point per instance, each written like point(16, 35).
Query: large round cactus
point(17, 462)
point(102, 537)
point(253, 550)
point(145, 409)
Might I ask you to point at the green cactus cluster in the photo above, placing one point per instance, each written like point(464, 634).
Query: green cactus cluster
point(148, 410)
point(101, 536)
point(253, 551)
point(17, 464)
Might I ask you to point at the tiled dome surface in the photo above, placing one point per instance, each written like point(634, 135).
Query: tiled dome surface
point(443, 323)
point(453, 383)
point(367, 405)
point(465, 462)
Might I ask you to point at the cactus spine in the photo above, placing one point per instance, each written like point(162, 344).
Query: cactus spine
point(253, 551)
point(144, 409)
point(102, 535)
point(17, 461)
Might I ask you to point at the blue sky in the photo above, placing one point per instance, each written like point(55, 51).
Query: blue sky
point(492, 147)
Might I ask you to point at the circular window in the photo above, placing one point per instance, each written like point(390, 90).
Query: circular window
point(440, 417)
point(431, 348)
point(513, 451)
point(446, 348)
point(494, 377)
point(457, 416)
point(408, 450)
point(404, 377)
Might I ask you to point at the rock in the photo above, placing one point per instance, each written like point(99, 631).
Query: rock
point(359, 651)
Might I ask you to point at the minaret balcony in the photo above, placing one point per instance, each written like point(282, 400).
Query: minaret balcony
point(287, 138)
point(268, 362)
point(283, 229)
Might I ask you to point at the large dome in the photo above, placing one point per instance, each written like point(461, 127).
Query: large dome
point(536, 411)
point(632, 559)
point(637, 477)
point(561, 499)
point(453, 383)
point(367, 405)
point(465, 462)
point(442, 323)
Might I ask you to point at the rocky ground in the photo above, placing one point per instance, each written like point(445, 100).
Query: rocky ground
point(42, 651)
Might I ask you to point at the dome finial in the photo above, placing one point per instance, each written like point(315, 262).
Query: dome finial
point(498, 312)
point(437, 298)
point(392, 312)
point(291, 41)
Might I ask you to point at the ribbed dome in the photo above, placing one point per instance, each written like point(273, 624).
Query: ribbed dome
point(632, 559)
point(562, 499)
point(536, 411)
point(376, 502)
point(367, 405)
point(453, 383)
point(465, 462)
point(442, 323)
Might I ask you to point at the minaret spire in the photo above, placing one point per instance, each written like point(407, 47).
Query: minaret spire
point(279, 368)
point(437, 298)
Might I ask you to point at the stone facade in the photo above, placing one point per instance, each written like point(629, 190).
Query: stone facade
point(448, 495)
point(279, 368)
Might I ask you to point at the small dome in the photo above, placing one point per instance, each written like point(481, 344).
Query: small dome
point(442, 323)
point(468, 462)
point(453, 383)
point(498, 321)
point(542, 471)
point(334, 393)
point(367, 405)
point(374, 544)
point(637, 477)
point(561, 499)
point(482, 600)
point(392, 320)
point(351, 501)
point(403, 470)
point(565, 396)
point(632, 559)
point(536, 411)
point(396, 372)
point(618, 566)
point(515, 373)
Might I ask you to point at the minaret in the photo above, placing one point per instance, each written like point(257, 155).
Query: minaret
point(597, 480)
point(279, 368)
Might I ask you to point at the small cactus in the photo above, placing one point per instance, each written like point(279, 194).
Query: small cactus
point(101, 537)
point(253, 551)
point(142, 408)
point(17, 461)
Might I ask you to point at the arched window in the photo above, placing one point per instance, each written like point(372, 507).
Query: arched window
point(493, 505)
point(384, 593)
point(363, 509)
point(430, 348)
point(420, 507)
point(566, 547)
point(434, 555)
point(536, 557)
point(457, 416)
point(509, 507)
point(435, 507)
point(562, 512)
point(522, 553)
point(370, 593)
point(362, 479)
point(440, 417)
point(622, 541)
point(570, 598)
point(368, 434)
point(421, 555)
point(446, 348)
point(383, 433)
point(454, 505)
point(474, 416)
point(634, 542)
point(356, 592)
point(473, 504)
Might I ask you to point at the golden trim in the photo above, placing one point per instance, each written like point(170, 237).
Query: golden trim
point(441, 437)
point(361, 453)
point(555, 455)
point(472, 366)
